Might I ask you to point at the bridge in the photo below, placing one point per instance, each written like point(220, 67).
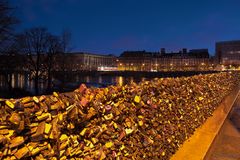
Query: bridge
point(167, 118)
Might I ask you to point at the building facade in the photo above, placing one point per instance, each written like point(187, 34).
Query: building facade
point(228, 53)
point(197, 59)
point(80, 61)
point(135, 61)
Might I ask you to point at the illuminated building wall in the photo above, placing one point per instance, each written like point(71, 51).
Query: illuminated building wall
point(228, 52)
point(161, 61)
point(83, 61)
point(129, 61)
point(135, 61)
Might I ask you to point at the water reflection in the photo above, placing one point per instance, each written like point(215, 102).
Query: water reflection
point(143, 79)
point(87, 79)
point(120, 80)
point(13, 81)
point(24, 81)
point(100, 79)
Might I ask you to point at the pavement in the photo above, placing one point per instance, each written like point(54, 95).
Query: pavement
point(205, 142)
point(226, 145)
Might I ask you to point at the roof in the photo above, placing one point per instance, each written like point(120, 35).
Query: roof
point(192, 54)
point(228, 42)
point(86, 53)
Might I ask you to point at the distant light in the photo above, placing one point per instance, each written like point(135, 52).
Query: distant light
point(120, 64)
point(143, 64)
point(105, 68)
point(153, 70)
point(131, 64)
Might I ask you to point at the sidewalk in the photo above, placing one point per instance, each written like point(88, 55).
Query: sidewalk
point(226, 146)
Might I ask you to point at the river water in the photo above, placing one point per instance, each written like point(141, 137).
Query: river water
point(24, 81)
point(70, 82)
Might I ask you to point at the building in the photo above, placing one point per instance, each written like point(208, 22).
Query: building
point(77, 61)
point(11, 62)
point(228, 52)
point(197, 59)
point(84, 61)
point(135, 61)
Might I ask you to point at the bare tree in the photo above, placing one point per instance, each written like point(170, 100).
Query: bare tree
point(8, 48)
point(34, 44)
point(10, 62)
point(65, 40)
point(7, 24)
point(62, 58)
point(54, 47)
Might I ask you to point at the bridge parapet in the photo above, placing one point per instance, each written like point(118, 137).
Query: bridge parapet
point(139, 121)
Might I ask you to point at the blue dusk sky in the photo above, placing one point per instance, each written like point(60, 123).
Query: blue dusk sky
point(113, 26)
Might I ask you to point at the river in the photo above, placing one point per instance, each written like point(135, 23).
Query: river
point(24, 82)
point(24, 85)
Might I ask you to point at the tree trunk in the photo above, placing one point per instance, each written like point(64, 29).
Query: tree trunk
point(37, 73)
point(37, 77)
point(8, 81)
point(50, 64)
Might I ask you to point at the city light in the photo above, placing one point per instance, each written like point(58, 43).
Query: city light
point(153, 70)
point(105, 68)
